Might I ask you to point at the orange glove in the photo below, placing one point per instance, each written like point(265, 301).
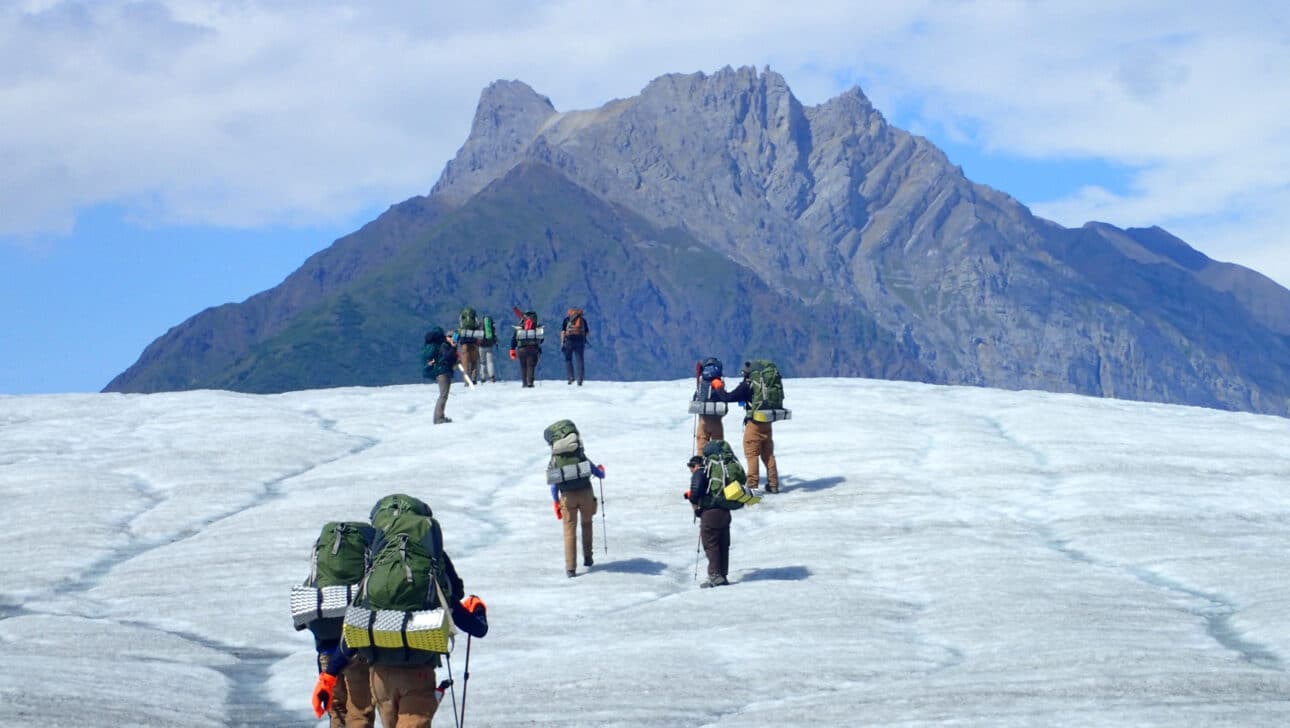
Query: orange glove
point(474, 604)
point(512, 355)
point(718, 384)
point(323, 690)
point(558, 514)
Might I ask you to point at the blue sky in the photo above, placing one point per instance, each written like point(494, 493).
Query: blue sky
point(160, 157)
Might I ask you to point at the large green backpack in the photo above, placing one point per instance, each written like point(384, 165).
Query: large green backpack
point(767, 385)
point(469, 319)
point(568, 468)
point(341, 554)
point(408, 558)
point(391, 507)
point(726, 488)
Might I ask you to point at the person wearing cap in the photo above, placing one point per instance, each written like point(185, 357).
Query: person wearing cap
point(438, 357)
point(714, 525)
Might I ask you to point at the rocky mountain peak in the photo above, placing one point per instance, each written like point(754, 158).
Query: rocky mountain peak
point(507, 118)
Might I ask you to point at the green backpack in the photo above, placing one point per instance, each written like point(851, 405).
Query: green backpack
point(408, 559)
point(391, 507)
point(558, 430)
point(489, 334)
point(723, 470)
point(341, 554)
point(469, 319)
point(767, 385)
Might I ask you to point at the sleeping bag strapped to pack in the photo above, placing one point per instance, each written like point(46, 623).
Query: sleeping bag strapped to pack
point(726, 478)
point(401, 614)
point(341, 555)
point(568, 468)
point(766, 403)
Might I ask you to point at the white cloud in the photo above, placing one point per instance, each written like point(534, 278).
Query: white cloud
point(250, 112)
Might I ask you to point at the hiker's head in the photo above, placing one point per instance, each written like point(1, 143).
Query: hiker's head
point(694, 462)
point(435, 335)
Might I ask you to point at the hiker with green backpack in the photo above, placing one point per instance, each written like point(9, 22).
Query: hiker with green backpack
point(341, 555)
point(762, 394)
point(717, 487)
point(569, 474)
point(403, 616)
point(470, 331)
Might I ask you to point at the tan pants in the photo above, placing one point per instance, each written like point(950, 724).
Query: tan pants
point(351, 699)
point(709, 428)
point(468, 355)
point(404, 695)
point(578, 507)
point(759, 444)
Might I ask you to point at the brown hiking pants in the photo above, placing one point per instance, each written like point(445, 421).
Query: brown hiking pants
point(759, 444)
point(351, 699)
point(404, 695)
point(714, 531)
point(709, 428)
point(578, 507)
point(468, 355)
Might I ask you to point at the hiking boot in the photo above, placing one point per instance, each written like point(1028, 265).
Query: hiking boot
point(588, 561)
point(714, 581)
point(570, 573)
point(440, 422)
point(570, 381)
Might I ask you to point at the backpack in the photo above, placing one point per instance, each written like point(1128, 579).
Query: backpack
point(469, 319)
point(529, 322)
point(710, 369)
point(569, 468)
point(726, 486)
point(576, 326)
point(528, 333)
point(767, 385)
point(341, 555)
point(400, 614)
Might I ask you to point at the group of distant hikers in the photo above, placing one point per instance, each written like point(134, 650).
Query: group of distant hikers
point(471, 347)
point(383, 599)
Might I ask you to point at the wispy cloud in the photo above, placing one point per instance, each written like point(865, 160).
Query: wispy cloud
point(242, 113)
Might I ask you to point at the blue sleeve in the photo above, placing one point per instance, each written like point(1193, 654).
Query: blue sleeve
point(338, 659)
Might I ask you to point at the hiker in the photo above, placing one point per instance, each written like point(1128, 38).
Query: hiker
point(708, 410)
point(487, 347)
point(408, 549)
point(573, 339)
point(339, 561)
point(762, 394)
point(438, 357)
point(714, 524)
point(569, 474)
point(526, 345)
point(469, 333)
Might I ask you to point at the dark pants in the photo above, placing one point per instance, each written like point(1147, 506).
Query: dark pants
point(714, 531)
point(573, 359)
point(528, 357)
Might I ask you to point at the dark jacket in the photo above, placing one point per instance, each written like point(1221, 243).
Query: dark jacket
point(575, 341)
point(741, 394)
point(437, 355)
point(699, 495)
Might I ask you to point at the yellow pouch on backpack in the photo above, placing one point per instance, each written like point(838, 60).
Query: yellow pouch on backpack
point(740, 493)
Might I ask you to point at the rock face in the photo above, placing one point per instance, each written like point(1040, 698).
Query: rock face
point(849, 247)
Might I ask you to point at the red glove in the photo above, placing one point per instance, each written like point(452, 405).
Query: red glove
point(512, 354)
point(322, 693)
point(558, 514)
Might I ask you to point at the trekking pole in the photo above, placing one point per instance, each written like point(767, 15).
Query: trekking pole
point(604, 530)
point(453, 686)
point(697, 543)
point(465, 683)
